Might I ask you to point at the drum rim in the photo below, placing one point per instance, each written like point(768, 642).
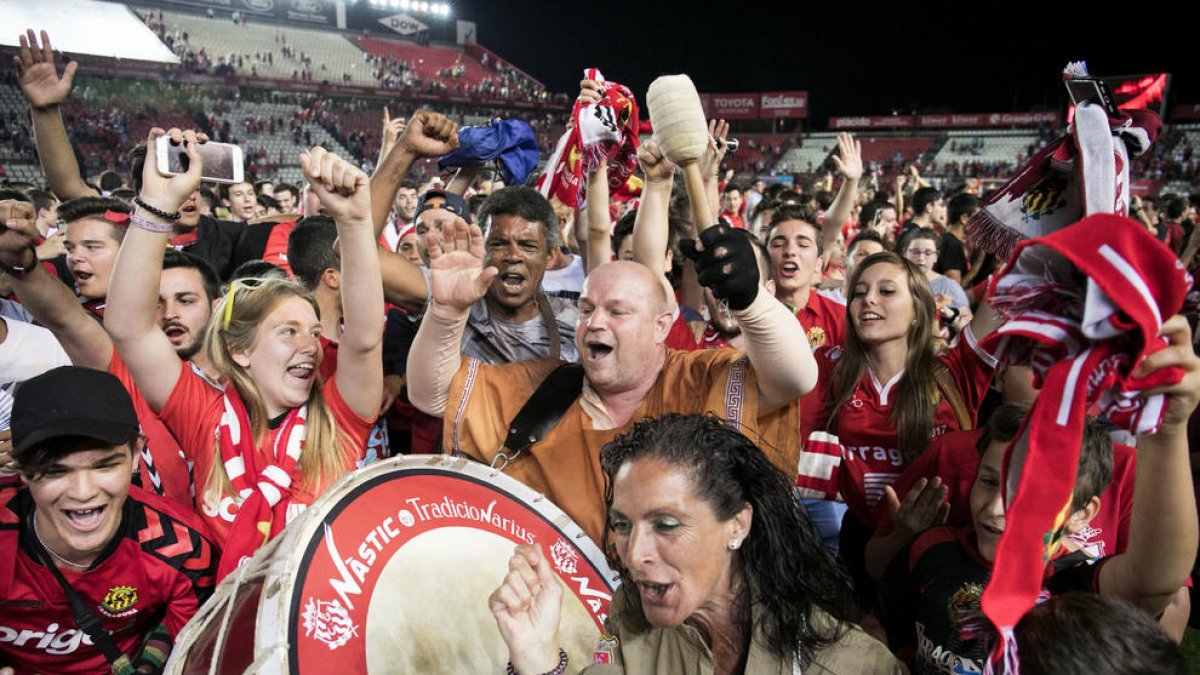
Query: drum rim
point(335, 500)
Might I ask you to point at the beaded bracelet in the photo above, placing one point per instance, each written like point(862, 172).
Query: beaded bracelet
point(151, 226)
point(558, 670)
point(156, 212)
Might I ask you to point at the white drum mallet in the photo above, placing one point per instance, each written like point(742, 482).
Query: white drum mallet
point(682, 132)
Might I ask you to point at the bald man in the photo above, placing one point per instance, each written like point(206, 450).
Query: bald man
point(628, 373)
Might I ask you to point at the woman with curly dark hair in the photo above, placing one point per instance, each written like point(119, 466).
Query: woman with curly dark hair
point(722, 571)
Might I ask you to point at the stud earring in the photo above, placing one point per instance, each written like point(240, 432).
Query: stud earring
point(735, 544)
point(914, 322)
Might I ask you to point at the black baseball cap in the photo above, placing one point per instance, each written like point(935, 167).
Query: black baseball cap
point(453, 203)
point(71, 401)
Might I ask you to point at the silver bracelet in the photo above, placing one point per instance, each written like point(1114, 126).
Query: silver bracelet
point(151, 226)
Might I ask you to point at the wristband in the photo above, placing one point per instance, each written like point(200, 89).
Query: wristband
point(156, 212)
point(20, 271)
point(558, 670)
point(151, 226)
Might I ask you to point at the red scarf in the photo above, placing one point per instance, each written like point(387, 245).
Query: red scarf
point(264, 492)
point(1083, 306)
point(1076, 175)
point(606, 131)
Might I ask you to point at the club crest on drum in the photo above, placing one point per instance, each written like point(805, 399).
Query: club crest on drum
point(328, 622)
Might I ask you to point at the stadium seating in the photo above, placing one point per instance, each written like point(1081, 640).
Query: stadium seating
point(425, 61)
point(1006, 147)
point(331, 55)
point(811, 154)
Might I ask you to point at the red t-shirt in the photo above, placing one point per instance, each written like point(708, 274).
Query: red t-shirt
point(681, 337)
point(712, 338)
point(954, 458)
point(734, 219)
point(159, 568)
point(275, 251)
point(193, 413)
point(823, 320)
point(162, 467)
point(871, 458)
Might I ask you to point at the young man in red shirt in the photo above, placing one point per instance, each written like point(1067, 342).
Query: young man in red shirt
point(72, 525)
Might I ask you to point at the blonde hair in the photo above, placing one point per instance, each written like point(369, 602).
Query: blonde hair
point(234, 326)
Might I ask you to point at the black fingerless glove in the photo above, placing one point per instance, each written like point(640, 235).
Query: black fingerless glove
point(726, 264)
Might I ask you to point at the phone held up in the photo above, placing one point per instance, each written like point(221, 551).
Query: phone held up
point(222, 161)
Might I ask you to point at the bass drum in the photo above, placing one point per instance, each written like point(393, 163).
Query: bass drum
point(390, 572)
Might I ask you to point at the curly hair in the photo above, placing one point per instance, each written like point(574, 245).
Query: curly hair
point(784, 566)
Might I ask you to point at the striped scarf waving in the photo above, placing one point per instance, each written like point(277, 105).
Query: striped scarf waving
point(264, 493)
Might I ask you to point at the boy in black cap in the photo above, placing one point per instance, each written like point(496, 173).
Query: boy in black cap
point(96, 575)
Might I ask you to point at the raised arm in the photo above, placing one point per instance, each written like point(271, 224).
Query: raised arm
point(463, 179)
point(133, 291)
point(428, 134)
point(393, 128)
point(46, 91)
point(596, 229)
point(849, 163)
point(775, 342)
point(710, 164)
point(985, 320)
point(1163, 526)
point(458, 280)
point(48, 299)
point(599, 238)
point(651, 228)
point(345, 195)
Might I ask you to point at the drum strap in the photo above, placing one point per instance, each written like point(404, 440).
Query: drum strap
point(541, 412)
point(86, 619)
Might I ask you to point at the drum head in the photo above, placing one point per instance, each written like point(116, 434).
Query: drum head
point(394, 574)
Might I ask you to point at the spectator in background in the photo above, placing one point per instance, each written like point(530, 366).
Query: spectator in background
point(286, 195)
point(241, 201)
point(952, 256)
point(1175, 210)
point(929, 210)
point(920, 247)
point(731, 206)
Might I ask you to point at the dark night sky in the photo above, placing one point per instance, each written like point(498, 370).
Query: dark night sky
point(935, 57)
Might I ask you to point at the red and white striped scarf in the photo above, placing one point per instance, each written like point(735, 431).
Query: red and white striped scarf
point(263, 493)
point(1081, 173)
point(605, 131)
point(1084, 307)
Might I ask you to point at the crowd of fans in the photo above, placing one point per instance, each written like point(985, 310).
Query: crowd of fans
point(790, 420)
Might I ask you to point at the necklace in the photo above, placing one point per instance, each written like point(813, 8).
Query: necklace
point(52, 552)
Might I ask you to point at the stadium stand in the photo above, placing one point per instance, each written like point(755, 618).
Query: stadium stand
point(259, 50)
point(810, 154)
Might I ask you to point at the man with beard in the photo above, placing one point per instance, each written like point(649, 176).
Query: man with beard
point(404, 212)
point(187, 292)
point(286, 194)
point(46, 90)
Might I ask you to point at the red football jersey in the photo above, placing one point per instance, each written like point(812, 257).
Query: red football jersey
point(159, 568)
point(871, 458)
point(162, 467)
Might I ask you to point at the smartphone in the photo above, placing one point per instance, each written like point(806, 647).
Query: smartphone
point(222, 161)
point(1091, 90)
